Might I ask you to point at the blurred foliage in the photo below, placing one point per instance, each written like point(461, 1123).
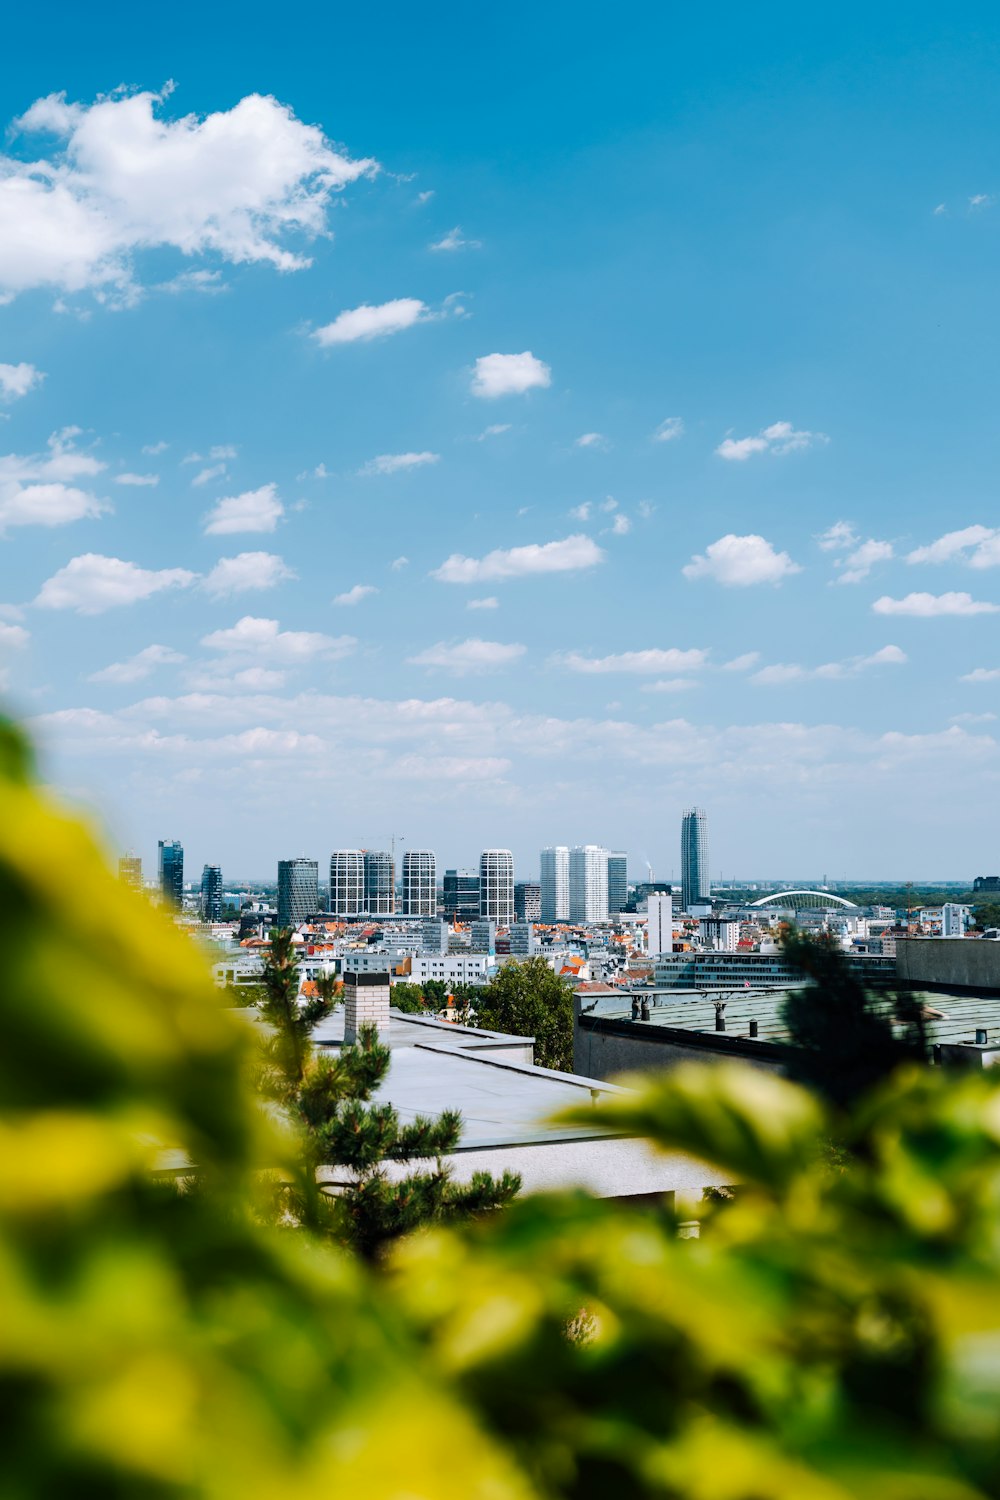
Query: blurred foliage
point(986, 914)
point(526, 998)
point(833, 1334)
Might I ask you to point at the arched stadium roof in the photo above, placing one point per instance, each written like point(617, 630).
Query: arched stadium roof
point(805, 900)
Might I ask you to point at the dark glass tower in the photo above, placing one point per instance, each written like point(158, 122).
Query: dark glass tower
point(695, 886)
point(171, 872)
point(298, 891)
point(211, 893)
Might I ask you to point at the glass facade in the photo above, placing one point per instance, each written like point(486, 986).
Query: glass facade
point(617, 883)
point(211, 893)
point(380, 883)
point(419, 883)
point(695, 887)
point(460, 896)
point(555, 884)
point(171, 872)
point(347, 882)
point(298, 891)
point(496, 886)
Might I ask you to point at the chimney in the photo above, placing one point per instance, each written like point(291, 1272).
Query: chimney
point(366, 1003)
point(980, 1037)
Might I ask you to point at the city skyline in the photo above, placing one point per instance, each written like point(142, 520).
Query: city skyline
point(460, 468)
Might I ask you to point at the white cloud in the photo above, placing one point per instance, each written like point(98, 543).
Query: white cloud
point(942, 208)
point(63, 462)
point(982, 674)
point(838, 537)
point(669, 429)
point(860, 562)
point(368, 322)
point(209, 283)
point(973, 718)
point(455, 240)
point(979, 546)
point(46, 505)
point(742, 663)
point(669, 685)
point(780, 437)
point(14, 636)
point(650, 661)
point(425, 196)
point(18, 380)
point(621, 526)
point(91, 584)
point(238, 184)
point(782, 673)
point(567, 556)
point(392, 463)
point(138, 480)
point(488, 603)
point(255, 510)
point(473, 655)
point(252, 636)
point(494, 430)
point(592, 440)
point(154, 448)
point(139, 666)
point(205, 476)
point(220, 450)
point(738, 561)
point(582, 512)
point(398, 563)
point(356, 594)
point(980, 200)
point(509, 375)
point(925, 606)
point(646, 508)
point(246, 571)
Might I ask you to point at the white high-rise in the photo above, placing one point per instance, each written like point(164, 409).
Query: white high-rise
point(660, 925)
point(588, 883)
point(555, 884)
point(347, 882)
point(419, 883)
point(496, 886)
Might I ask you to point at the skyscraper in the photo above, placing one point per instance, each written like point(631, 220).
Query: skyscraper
point(211, 893)
point(496, 886)
point(347, 882)
point(588, 883)
point(660, 925)
point(130, 871)
point(380, 883)
point(555, 884)
point(460, 895)
point(695, 887)
point(617, 883)
point(298, 891)
point(419, 883)
point(171, 872)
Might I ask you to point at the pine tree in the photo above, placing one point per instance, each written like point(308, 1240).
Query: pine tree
point(330, 1100)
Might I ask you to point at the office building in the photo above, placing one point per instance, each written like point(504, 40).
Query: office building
point(483, 936)
point(720, 933)
point(460, 895)
point(380, 883)
point(496, 886)
point(617, 883)
point(695, 887)
point(130, 871)
point(298, 891)
point(660, 925)
point(419, 883)
point(347, 882)
point(555, 884)
point(211, 893)
point(433, 937)
point(588, 883)
point(527, 901)
point(522, 939)
point(171, 872)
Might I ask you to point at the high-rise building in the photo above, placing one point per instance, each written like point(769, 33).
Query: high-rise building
point(380, 883)
point(482, 935)
point(555, 884)
point(588, 883)
point(211, 893)
point(695, 887)
point(130, 871)
point(522, 939)
point(660, 925)
point(347, 882)
point(527, 901)
point(496, 886)
point(171, 872)
point(419, 883)
point(617, 883)
point(460, 895)
point(298, 891)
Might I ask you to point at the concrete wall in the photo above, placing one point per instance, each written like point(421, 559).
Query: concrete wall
point(952, 963)
point(604, 1049)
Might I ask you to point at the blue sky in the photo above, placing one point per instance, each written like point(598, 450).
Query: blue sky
point(545, 422)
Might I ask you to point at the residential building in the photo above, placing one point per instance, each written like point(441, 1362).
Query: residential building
point(380, 883)
point(617, 883)
point(695, 887)
point(660, 925)
point(347, 883)
point(719, 933)
point(171, 872)
point(528, 901)
point(954, 918)
point(298, 891)
point(211, 893)
point(460, 895)
point(588, 883)
point(130, 871)
point(555, 884)
point(419, 883)
point(496, 886)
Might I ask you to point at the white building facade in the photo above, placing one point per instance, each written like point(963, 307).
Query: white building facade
point(555, 884)
point(588, 883)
